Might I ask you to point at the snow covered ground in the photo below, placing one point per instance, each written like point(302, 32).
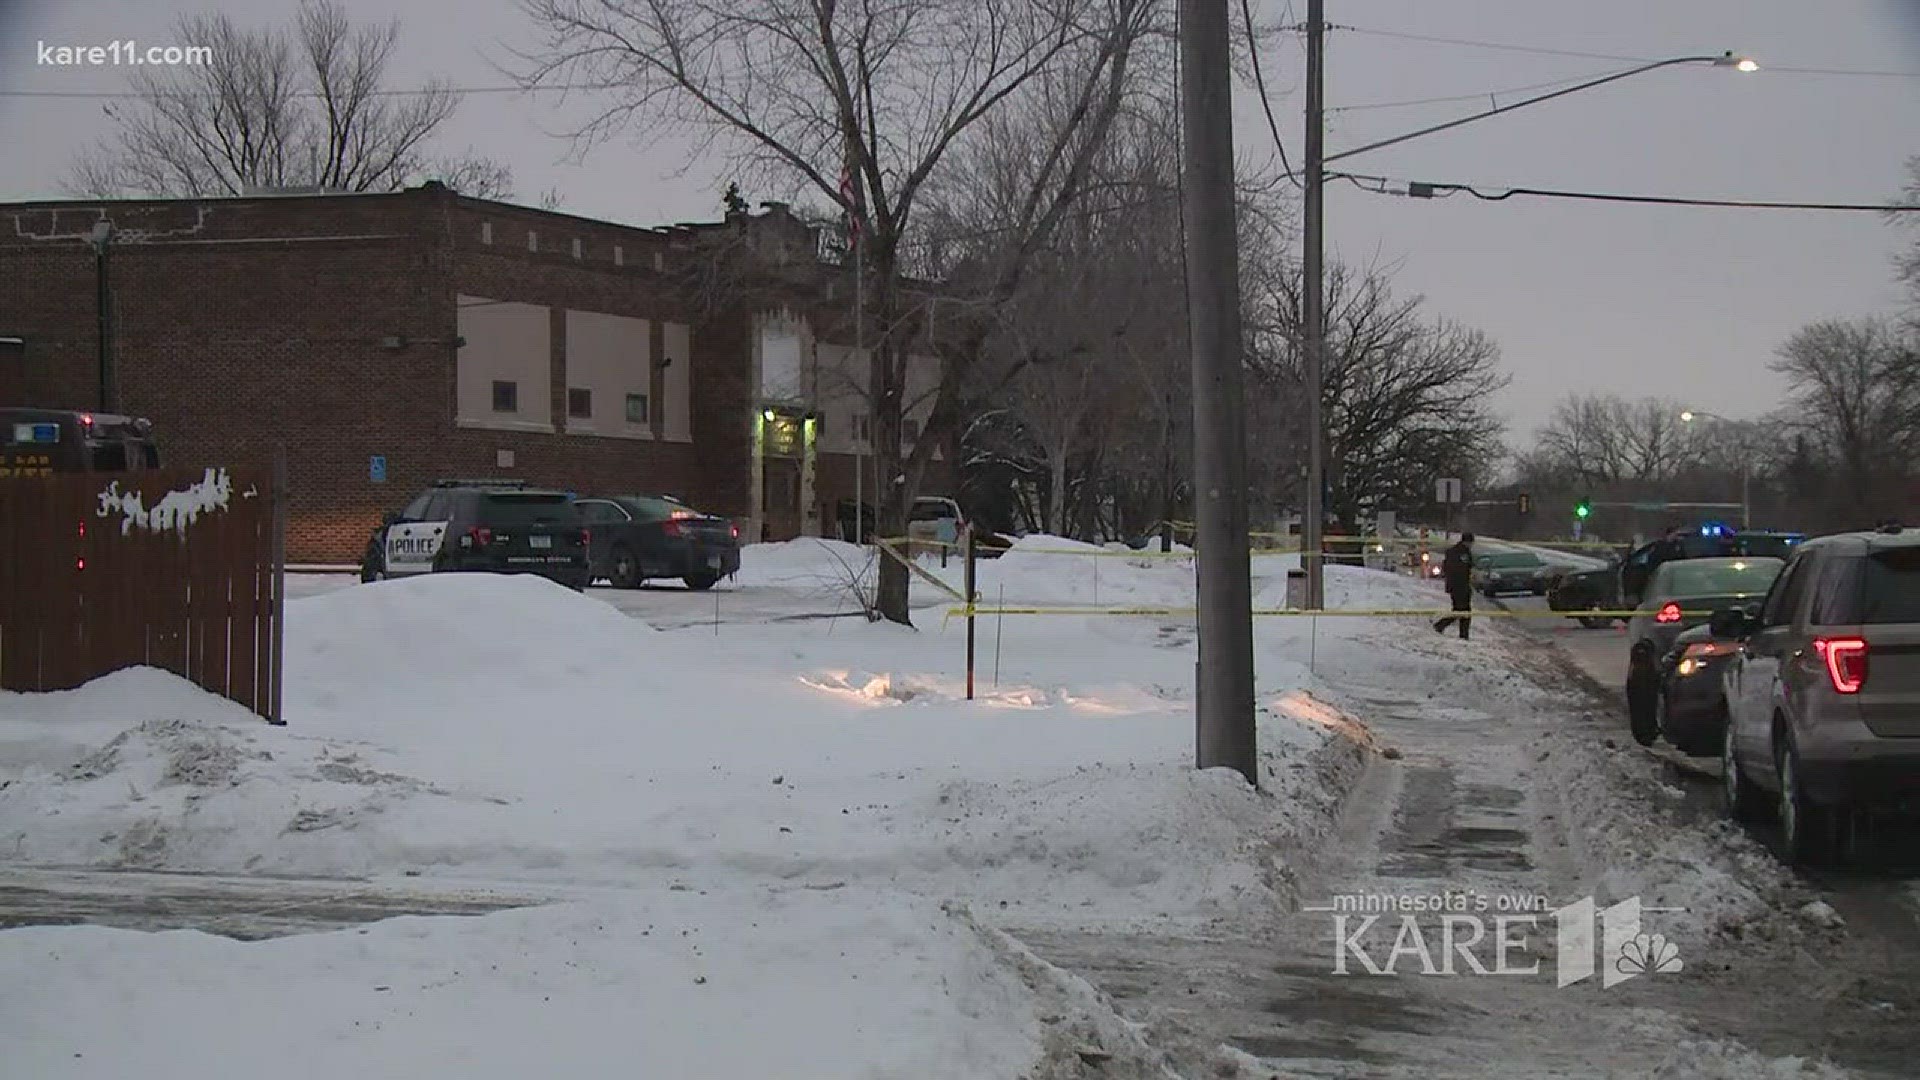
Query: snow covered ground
point(772, 842)
point(773, 822)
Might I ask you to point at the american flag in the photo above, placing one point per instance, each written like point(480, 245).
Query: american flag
point(849, 196)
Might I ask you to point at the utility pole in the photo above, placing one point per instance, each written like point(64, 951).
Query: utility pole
point(101, 240)
point(1223, 706)
point(1313, 316)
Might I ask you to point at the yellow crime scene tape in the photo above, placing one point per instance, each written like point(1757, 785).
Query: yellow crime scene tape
point(963, 611)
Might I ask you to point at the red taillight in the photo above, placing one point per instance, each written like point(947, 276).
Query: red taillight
point(1846, 662)
point(671, 527)
point(1668, 614)
point(480, 536)
point(83, 530)
point(734, 527)
point(79, 564)
point(86, 419)
point(586, 537)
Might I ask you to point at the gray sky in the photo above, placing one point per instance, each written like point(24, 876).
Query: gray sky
point(1687, 303)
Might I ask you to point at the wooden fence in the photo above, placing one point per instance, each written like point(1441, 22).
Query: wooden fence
point(176, 569)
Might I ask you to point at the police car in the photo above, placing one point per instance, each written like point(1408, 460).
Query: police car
point(488, 526)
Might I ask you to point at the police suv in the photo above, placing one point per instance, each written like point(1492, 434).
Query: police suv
point(489, 526)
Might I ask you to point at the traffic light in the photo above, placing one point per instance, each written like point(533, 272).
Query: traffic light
point(1526, 504)
point(1582, 508)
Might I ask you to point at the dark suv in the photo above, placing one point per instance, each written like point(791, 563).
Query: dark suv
point(490, 526)
point(43, 442)
point(1823, 696)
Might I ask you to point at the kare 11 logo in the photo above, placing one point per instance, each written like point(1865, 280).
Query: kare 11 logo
point(1463, 933)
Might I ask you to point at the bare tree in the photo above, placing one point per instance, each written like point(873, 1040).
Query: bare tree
point(1095, 413)
point(1406, 397)
point(277, 110)
point(862, 105)
point(1854, 393)
point(1908, 261)
point(1605, 439)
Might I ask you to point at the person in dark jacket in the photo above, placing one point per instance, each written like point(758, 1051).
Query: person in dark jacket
point(1456, 571)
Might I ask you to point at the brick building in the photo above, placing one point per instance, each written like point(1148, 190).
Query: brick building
point(386, 340)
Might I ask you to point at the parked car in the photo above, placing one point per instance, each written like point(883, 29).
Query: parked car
point(1682, 594)
point(1692, 705)
point(1587, 590)
point(935, 519)
point(1823, 698)
point(491, 526)
point(639, 538)
point(1705, 543)
point(1511, 572)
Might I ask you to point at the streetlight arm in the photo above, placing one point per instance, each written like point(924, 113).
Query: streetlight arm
point(1537, 99)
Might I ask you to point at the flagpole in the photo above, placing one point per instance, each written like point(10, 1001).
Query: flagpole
point(860, 356)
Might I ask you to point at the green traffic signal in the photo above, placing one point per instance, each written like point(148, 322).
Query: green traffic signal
point(1582, 508)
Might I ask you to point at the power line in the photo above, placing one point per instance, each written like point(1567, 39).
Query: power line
point(421, 91)
point(1542, 50)
point(1260, 83)
point(1446, 98)
point(1383, 185)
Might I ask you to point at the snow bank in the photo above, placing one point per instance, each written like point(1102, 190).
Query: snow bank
point(759, 982)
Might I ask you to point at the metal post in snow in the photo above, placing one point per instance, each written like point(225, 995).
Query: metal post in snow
point(860, 438)
point(999, 623)
point(279, 581)
point(973, 599)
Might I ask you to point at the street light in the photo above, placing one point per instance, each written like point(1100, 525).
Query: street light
point(1313, 311)
point(101, 240)
point(1688, 416)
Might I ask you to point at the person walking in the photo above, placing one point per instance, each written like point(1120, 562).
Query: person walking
point(1456, 571)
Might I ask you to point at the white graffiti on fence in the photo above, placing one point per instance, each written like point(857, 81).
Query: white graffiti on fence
point(176, 510)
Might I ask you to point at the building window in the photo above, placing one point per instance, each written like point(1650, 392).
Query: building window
point(533, 240)
point(637, 408)
point(576, 247)
point(580, 403)
point(506, 396)
point(862, 427)
point(619, 255)
point(486, 232)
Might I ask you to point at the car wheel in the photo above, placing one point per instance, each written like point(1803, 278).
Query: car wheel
point(1740, 794)
point(1643, 696)
point(625, 573)
point(700, 582)
point(1809, 833)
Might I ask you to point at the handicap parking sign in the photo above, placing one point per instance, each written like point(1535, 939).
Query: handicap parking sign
point(377, 469)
